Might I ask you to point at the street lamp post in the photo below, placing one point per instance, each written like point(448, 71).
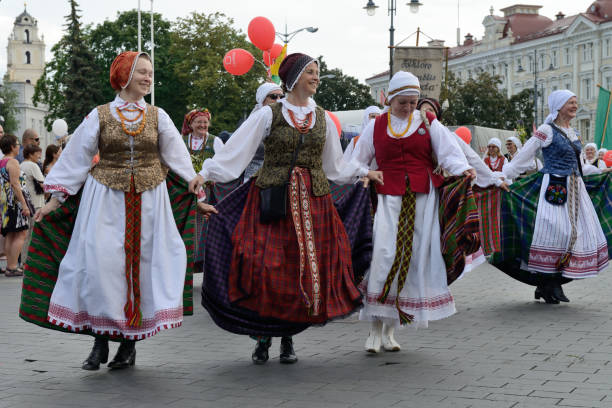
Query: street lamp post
point(286, 37)
point(535, 83)
point(371, 7)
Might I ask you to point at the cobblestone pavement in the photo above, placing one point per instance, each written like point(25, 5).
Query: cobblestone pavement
point(502, 349)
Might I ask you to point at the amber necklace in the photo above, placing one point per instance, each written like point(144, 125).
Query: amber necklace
point(391, 129)
point(302, 126)
point(124, 119)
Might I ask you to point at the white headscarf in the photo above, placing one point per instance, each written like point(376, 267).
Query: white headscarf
point(516, 141)
point(402, 83)
point(263, 91)
point(366, 116)
point(602, 150)
point(495, 142)
point(583, 153)
point(556, 100)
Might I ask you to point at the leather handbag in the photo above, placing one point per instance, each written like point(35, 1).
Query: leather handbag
point(273, 200)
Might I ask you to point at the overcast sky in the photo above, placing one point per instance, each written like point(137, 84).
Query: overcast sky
point(347, 38)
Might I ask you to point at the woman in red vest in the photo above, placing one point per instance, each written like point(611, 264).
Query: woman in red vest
point(494, 159)
point(407, 279)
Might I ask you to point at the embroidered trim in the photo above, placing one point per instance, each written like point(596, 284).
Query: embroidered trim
point(540, 135)
point(51, 188)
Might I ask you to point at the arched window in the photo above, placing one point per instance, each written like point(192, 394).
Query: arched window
point(27, 35)
point(28, 57)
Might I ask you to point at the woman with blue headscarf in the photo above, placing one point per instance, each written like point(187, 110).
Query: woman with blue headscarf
point(564, 234)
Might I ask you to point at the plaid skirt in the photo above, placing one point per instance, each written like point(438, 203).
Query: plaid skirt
point(267, 298)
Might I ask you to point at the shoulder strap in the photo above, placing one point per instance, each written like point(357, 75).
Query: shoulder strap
point(576, 151)
point(295, 155)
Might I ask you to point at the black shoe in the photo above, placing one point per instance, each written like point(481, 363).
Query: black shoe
point(547, 294)
point(557, 292)
point(260, 354)
point(538, 293)
point(126, 355)
point(99, 354)
point(287, 355)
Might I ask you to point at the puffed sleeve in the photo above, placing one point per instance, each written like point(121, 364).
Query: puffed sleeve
point(526, 157)
point(335, 167)
point(484, 176)
point(68, 175)
point(229, 163)
point(172, 150)
point(450, 156)
point(363, 154)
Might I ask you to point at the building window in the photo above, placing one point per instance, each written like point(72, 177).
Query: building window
point(606, 47)
point(587, 92)
point(554, 88)
point(27, 35)
point(568, 56)
point(518, 63)
point(530, 69)
point(585, 129)
point(568, 85)
point(27, 57)
point(608, 82)
point(553, 56)
point(542, 62)
point(587, 52)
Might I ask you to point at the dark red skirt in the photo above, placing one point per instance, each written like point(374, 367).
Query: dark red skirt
point(268, 274)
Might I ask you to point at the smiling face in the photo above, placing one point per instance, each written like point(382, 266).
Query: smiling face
point(309, 80)
point(600, 155)
point(142, 78)
point(493, 150)
point(590, 152)
point(403, 105)
point(510, 146)
point(568, 111)
point(199, 126)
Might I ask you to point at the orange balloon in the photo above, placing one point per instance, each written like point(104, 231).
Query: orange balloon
point(336, 122)
point(238, 61)
point(608, 158)
point(464, 133)
point(261, 33)
point(272, 54)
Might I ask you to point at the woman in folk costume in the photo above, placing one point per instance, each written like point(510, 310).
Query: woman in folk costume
point(601, 153)
point(123, 273)
point(267, 94)
point(513, 146)
point(370, 113)
point(276, 275)
point(407, 278)
point(494, 158)
point(566, 240)
point(590, 157)
point(201, 145)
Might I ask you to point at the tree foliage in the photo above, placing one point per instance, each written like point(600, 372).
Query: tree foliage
point(480, 102)
point(8, 110)
point(199, 43)
point(66, 84)
point(342, 92)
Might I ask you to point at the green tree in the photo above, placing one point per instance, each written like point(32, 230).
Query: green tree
point(480, 102)
point(342, 92)
point(68, 82)
point(110, 38)
point(199, 43)
point(8, 110)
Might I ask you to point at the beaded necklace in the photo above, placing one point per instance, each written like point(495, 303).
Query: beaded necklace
point(396, 135)
point(301, 126)
point(192, 146)
point(124, 119)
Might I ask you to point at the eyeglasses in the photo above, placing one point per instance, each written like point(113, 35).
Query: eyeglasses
point(275, 96)
point(37, 139)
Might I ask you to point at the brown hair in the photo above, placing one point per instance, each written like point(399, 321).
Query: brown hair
point(7, 143)
point(30, 150)
point(49, 153)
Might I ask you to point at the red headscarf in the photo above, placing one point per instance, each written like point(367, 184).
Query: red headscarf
point(190, 116)
point(122, 69)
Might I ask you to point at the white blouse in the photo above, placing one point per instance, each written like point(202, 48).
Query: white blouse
point(229, 163)
point(72, 168)
point(443, 142)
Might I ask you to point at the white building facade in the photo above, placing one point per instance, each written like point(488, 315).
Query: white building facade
point(523, 47)
point(25, 65)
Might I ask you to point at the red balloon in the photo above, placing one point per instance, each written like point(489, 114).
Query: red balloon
point(464, 133)
point(238, 61)
point(608, 158)
point(272, 54)
point(336, 122)
point(261, 33)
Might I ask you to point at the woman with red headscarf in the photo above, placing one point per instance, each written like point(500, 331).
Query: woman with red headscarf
point(123, 272)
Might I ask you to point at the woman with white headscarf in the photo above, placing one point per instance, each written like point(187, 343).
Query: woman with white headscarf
point(407, 278)
point(568, 241)
point(514, 145)
point(589, 156)
point(494, 158)
point(369, 114)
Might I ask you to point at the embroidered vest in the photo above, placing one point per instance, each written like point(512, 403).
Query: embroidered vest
point(206, 152)
point(280, 145)
point(498, 165)
point(119, 162)
point(409, 157)
point(559, 156)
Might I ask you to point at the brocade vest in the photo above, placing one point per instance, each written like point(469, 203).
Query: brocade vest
point(280, 145)
point(559, 156)
point(404, 158)
point(120, 158)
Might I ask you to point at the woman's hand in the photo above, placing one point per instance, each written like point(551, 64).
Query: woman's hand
point(471, 174)
point(196, 183)
point(51, 206)
point(206, 209)
point(373, 175)
point(25, 211)
point(504, 186)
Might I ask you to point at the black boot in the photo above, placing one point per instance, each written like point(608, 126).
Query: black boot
point(287, 355)
point(99, 354)
point(557, 291)
point(260, 354)
point(126, 355)
point(546, 289)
